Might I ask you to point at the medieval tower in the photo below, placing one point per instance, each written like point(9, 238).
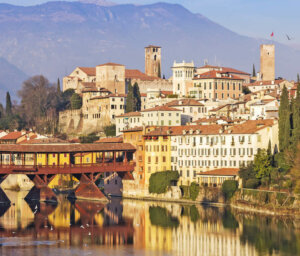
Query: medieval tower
point(267, 62)
point(153, 60)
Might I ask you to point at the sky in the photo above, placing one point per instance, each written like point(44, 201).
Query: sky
point(254, 18)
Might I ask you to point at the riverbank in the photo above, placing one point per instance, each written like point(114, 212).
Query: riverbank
point(256, 201)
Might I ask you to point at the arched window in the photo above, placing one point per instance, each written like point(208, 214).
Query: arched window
point(154, 57)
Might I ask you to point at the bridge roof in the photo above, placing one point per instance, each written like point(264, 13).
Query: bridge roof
point(65, 148)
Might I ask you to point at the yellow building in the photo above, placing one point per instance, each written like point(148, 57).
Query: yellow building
point(157, 153)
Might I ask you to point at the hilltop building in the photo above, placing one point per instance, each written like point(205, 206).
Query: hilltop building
point(183, 74)
point(153, 61)
point(267, 62)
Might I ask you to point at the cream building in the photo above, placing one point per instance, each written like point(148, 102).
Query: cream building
point(78, 77)
point(183, 74)
point(216, 85)
point(277, 84)
point(199, 148)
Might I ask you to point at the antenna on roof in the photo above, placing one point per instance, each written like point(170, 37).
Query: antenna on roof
point(205, 62)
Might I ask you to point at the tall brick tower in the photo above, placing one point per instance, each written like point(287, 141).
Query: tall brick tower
point(153, 60)
point(267, 62)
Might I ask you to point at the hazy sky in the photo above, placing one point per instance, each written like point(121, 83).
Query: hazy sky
point(255, 18)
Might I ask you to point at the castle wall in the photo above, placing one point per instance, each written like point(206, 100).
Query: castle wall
point(70, 120)
point(159, 84)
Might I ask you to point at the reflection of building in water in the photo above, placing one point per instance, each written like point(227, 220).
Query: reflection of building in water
point(208, 237)
point(19, 214)
point(205, 236)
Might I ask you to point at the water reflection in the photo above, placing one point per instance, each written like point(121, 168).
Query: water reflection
point(131, 227)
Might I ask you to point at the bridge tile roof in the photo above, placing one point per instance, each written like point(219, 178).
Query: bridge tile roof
point(63, 148)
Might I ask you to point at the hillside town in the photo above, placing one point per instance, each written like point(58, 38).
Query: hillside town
point(205, 123)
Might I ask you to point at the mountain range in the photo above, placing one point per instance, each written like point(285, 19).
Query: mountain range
point(55, 37)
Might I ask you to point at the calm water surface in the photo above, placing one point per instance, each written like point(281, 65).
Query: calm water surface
point(128, 227)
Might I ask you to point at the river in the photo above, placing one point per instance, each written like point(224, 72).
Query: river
point(132, 227)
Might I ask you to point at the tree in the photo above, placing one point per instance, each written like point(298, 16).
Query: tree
point(229, 187)
point(262, 164)
point(2, 112)
point(298, 78)
point(253, 71)
point(245, 90)
point(110, 131)
point(159, 71)
point(295, 171)
point(39, 103)
point(247, 173)
point(137, 105)
point(284, 121)
point(76, 101)
point(8, 108)
point(296, 120)
point(65, 100)
point(129, 99)
point(58, 86)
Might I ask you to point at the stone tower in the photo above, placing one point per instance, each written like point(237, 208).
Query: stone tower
point(267, 62)
point(153, 60)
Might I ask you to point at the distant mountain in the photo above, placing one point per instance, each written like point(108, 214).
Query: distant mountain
point(10, 79)
point(98, 2)
point(53, 38)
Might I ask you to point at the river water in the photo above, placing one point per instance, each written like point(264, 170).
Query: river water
point(132, 227)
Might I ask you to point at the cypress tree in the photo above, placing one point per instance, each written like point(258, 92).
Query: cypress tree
point(296, 119)
point(253, 71)
point(58, 86)
point(76, 101)
point(159, 71)
point(8, 108)
point(129, 99)
point(284, 120)
point(136, 97)
point(298, 78)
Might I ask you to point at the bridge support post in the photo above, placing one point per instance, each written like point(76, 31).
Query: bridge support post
point(41, 191)
point(87, 189)
point(3, 196)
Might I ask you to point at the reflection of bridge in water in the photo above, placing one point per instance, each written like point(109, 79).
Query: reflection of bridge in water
point(86, 162)
point(82, 227)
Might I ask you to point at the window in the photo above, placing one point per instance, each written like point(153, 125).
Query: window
point(164, 159)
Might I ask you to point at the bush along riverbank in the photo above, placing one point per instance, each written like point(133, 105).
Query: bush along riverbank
point(267, 202)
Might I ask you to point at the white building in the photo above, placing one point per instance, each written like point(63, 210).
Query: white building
point(183, 74)
point(261, 109)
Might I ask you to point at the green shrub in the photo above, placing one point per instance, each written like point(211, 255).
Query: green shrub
point(172, 96)
point(194, 190)
point(281, 197)
point(92, 137)
point(185, 191)
point(76, 101)
point(110, 131)
point(195, 216)
point(252, 183)
point(229, 187)
point(160, 181)
point(160, 217)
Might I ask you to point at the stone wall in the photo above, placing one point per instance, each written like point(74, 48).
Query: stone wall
point(70, 121)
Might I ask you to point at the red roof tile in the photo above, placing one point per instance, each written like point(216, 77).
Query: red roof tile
point(184, 102)
point(89, 71)
point(136, 74)
point(221, 172)
point(12, 136)
point(217, 75)
point(161, 108)
point(130, 114)
point(64, 148)
point(110, 64)
point(225, 69)
point(110, 140)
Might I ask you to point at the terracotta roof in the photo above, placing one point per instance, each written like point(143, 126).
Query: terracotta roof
point(66, 148)
point(130, 114)
point(217, 75)
point(44, 141)
point(184, 102)
point(110, 140)
point(161, 108)
point(89, 84)
point(262, 83)
point(12, 136)
point(117, 95)
point(89, 71)
point(152, 46)
point(110, 64)
point(95, 89)
point(136, 74)
point(167, 92)
point(225, 69)
point(143, 94)
point(134, 129)
point(221, 172)
point(248, 127)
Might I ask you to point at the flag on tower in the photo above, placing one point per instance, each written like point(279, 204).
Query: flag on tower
point(272, 34)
